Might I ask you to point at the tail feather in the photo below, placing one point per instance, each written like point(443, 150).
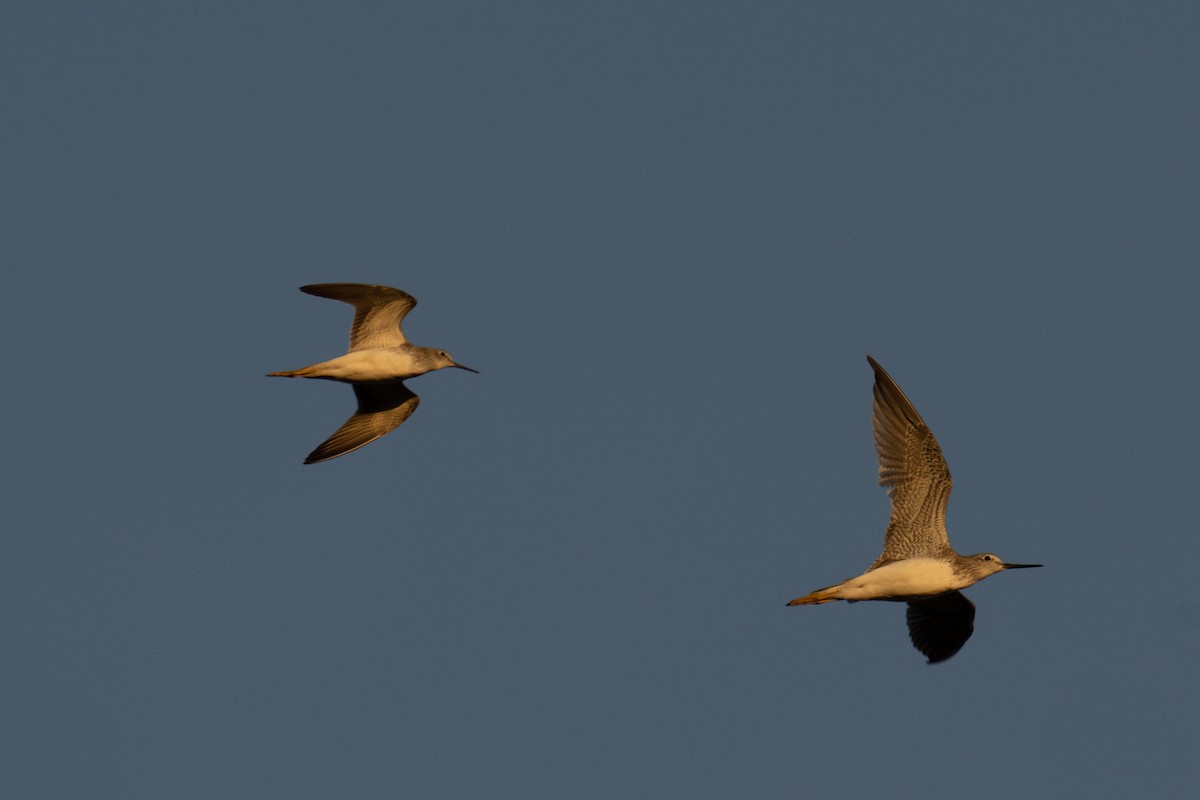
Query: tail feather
point(826, 595)
point(303, 372)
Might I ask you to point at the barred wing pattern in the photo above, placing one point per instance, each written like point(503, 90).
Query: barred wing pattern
point(913, 470)
point(378, 311)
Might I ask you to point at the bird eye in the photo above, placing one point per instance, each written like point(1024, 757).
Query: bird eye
point(987, 558)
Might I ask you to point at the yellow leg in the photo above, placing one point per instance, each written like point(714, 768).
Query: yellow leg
point(295, 373)
point(827, 595)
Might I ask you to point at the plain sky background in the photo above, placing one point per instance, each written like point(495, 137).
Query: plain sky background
point(667, 234)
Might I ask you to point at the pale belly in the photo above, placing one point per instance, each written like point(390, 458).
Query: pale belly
point(363, 366)
point(916, 577)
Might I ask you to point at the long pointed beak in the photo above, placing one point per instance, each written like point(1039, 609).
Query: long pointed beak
point(468, 369)
point(1021, 566)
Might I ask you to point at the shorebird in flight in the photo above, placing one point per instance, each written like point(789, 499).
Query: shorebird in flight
point(379, 361)
point(917, 566)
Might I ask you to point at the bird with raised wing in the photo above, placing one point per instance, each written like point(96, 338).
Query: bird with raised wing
point(917, 566)
point(380, 359)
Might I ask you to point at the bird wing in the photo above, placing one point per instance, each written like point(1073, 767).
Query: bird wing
point(381, 409)
point(378, 311)
point(914, 472)
point(939, 626)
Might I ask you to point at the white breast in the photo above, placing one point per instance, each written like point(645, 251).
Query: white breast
point(914, 577)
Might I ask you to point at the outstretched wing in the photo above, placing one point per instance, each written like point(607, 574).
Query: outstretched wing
point(939, 626)
point(378, 311)
point(914, 472)
point(381, 409)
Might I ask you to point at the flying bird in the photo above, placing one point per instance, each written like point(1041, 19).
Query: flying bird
point(379, 361)
point(917, 566)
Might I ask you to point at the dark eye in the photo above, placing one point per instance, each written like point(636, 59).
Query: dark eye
point(987, 558)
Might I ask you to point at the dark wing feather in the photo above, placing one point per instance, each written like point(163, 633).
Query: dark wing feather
point(939, 626)
point(381, 409)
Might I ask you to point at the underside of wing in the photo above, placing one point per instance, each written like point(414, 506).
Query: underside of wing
point(379, 311)
point(381, 409)
point(913, 470)
point(939, 626)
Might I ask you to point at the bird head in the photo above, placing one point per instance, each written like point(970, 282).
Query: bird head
point(442, 359)
point(990, 564)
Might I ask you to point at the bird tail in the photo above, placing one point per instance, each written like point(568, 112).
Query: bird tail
point(303, 372)
point(826, 595)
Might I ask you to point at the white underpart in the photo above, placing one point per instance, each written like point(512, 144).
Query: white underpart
point(913, 577)
point(369, 365)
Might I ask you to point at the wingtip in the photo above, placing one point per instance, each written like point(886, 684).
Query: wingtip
point(318, 457)
point(327, 452)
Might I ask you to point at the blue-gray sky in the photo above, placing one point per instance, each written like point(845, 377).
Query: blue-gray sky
point(667, 235)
